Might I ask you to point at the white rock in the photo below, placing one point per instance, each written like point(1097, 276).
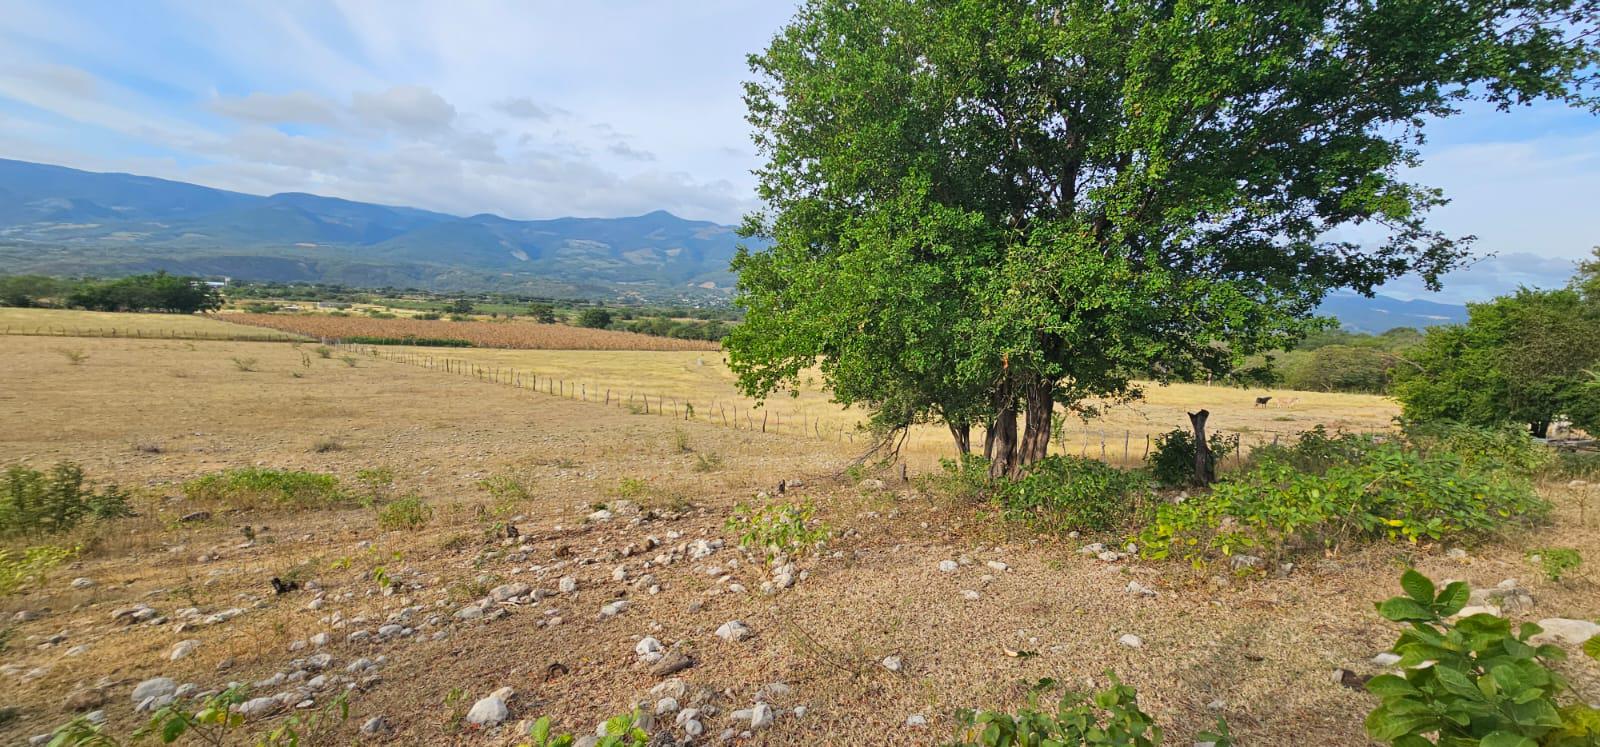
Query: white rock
point(1385, 659)
point(601, 515)
point(665, 706)
point(1131, 641)
point(648, 650)
point(893, 663)
point(154, 687)
point(1478, 609)
point(673, 688)
point(182, 649)
point(997, 566)
point(319, 640)
point(1565, 632)
point(969, 595)
point(258, 707)
point(916, 720)
point(620, 573)
point(949, 566)
point(614, 608)
point(761, 716)
point(488, 712)
point(733, 631)
point(375, 726)
point(1134, 587)
point(82, 583)
point(567, 585)
point(508, 591)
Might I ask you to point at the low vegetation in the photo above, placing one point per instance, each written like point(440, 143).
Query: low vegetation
point(1111, 718)
point(409, 513)
point(1369, 490)
point(1172, 459)
point(779, 528)
point(1059, 494)
point(33, 502)
point(29, 566)
point(257, 488)
point(1473, 681)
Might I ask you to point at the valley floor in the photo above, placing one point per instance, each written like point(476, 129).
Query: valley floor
point(151, 414)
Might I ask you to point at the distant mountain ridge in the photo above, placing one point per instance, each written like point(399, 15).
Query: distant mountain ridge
point(62, 221)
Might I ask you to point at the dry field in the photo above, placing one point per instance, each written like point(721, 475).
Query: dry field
point(510, 333)
point(703, 380)
point(71, 323)
point(152, 414)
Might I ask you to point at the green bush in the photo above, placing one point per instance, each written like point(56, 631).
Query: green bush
point(964, 479)
point(406, 513)
point(619, 731)
point(255, 487)
point(1485, 686)
point(1314, 451)
point(1171, 462)
point(1062, 493)
point(1508, 449)
point(30, 567)
point(1388, 492)
point(1111, 719)
point(786, 528)
point(54, 501)
point(1556, 562)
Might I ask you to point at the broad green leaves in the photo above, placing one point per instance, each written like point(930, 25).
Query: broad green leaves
point(1470, 682)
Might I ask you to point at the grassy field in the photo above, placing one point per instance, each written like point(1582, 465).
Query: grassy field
point(703, 380)
point(74, 323)
point(153, 414)
point(509, 333)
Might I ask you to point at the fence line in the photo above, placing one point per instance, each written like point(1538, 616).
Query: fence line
point(146, 334)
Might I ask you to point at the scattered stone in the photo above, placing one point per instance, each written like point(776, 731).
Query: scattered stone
point(1565, 632)
point(489, 712)
point(182, 649)
point(733, 631)
point(672, 663)
point(916, 721)
point(567, 584)
point(1134, 587)
point(649, 650)
point(601, 515)
point(1244, 562)
point(893, 664)
point(1385, 659)
point(1131, 641)
point(614, 608)
point(507, 592)
point(969, 595)
point(665, 706)
point(761, 716)
point(85, 699)
point(23, 616)
point(82, 583)
point(155, 687)
point(375, 726)
point(196, 516)
point(870, 484)
point(259, 707)
point(996, 565)
point(1456, 553)
point(948, 566)
point(1350, 679)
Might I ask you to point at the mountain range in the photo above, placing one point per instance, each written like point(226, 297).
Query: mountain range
point(61, 221)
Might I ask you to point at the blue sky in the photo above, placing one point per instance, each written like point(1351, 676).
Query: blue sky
point(544, 109)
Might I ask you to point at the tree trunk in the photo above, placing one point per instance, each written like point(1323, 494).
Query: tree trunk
point(1003, 449)
point(962, 432)
point(1205, 470)
point(1041, 402)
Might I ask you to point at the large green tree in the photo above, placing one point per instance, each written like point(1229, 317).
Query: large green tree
point(977, 209)
point(1525, 358)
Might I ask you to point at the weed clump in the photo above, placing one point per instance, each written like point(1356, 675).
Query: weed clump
point(409, 513)
point(29, 567)
point(255, 487)
point(779, 529)
point(32, 501)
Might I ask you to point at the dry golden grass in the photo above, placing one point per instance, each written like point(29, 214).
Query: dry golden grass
point(1263, 647)
point(703, 380)
point(75, 323)
point(511, 333)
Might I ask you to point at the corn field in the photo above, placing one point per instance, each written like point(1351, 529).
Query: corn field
point(521, 335)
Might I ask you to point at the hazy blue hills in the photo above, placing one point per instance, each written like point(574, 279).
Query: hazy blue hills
point(61, 220)
point(58, 220)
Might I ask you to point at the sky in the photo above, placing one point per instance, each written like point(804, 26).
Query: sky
point(538, 109)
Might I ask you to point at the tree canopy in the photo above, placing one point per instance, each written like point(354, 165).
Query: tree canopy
point(155, 292)
point(977, 209)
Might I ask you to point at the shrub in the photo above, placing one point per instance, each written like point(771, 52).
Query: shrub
point(1111, 719)
point(375, 482)
point(618, 731)
point(244, 364)
point(1314, 451)
point(1510, 450)
point(964, 479)
point(1171, 462)
point(54, 501)
point(30, 567)
point(323, 351)
point(1556, 561)
point(1062, 493)
point(255, 487)
point(1484, 686)
point(707, 462)
point(632, 487)
point(779, 528)
point(325, 445)
point(594, 318)
point(406, 513)
point(1388, 493)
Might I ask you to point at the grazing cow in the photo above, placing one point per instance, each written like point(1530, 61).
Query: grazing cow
point(1262, 401)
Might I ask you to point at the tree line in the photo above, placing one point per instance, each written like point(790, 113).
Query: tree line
point(154, 292)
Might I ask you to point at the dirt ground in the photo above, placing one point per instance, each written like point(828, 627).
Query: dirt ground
point(152, 414)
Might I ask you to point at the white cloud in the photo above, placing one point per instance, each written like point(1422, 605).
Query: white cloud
point(294, 107)
point(411, 110)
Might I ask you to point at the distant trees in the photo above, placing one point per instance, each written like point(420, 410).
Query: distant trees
point(542, 313)
point(32, 290)
point(459, 306)
point(158, 292)
point(594, 318)
point(983, 211)
point(1525, 358)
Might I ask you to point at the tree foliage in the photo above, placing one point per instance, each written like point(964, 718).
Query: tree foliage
point(981, 209)
point(1523, 358)
point(155, 292)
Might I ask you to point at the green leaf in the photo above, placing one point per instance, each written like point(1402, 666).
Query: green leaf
point(1417, 586)
point(1506, 739)
point(174, 728)
point(1401, 609)
point(1389, 685)
point(540, 732)
point(1452, 599)
point(1592, 647)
